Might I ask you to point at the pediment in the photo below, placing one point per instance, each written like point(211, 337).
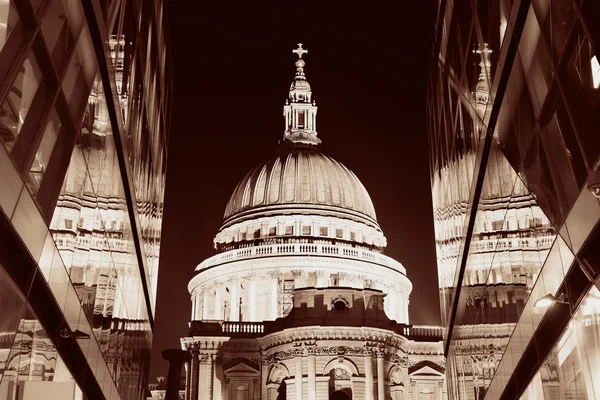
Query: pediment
point(241, 368)
point(426, 368)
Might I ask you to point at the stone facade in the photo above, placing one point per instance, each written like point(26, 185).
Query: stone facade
point(335, 343)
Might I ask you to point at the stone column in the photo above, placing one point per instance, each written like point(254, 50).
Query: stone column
point(188, 376)
point(298, 377)
point(252, 299)
point(195, 372)
point(264, 374)
point(393, 296)
point(322, 278)
point(274, 296)
point(205, 313)
point(194, 307)
point(205, 377)
point(311, 389)
point(234, 311)
point(218, 311)
point(380, 376)
point(368, 377)
point(217, 377)
point(176, 358)
point(210, 366)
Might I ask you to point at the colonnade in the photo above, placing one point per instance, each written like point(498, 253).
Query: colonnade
point(310, 391)
point(221, 300)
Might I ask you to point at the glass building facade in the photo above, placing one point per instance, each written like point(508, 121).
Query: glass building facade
point(85, 100)
point(514, 138)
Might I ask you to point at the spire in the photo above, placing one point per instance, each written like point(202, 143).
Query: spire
point(482, 89)
point(299, 112)
point(300, 63)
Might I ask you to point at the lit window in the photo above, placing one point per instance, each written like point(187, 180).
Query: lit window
point(595, 72)
point(323, 231)
point(18, 101)
point(306, 230)
point(42, 155)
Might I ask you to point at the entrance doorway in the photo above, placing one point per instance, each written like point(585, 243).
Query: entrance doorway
point(340, 395)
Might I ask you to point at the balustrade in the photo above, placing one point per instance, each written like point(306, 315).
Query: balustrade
point(242, 327)
point(300, 248)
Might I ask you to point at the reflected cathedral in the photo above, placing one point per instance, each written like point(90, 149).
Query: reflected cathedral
point(300, 301)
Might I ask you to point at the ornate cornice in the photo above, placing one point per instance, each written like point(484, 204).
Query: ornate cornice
point(289, 263)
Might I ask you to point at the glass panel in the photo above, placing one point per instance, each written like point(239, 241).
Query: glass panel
point(509, 244)
point(8, 20)
point(29, 224)
point(93, 228)
point(60, 26)
point(80, 74)
point(16, 105)
point(581, 97)
point(572, 368)
point(10, 182)
point(30, 366)
point(42, 155)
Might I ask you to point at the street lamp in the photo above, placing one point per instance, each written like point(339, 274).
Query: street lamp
point(549, 299)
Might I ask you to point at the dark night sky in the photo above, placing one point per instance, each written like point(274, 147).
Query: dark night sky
point(233, 65)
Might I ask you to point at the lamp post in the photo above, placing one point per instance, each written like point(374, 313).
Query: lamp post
point(176, 358)
point(549, 299)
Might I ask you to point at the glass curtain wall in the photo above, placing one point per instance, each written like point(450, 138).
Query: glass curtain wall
point(512, 126)
point(82, 175)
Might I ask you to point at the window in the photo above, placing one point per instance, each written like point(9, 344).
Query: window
point(301, 119)
point(68, 224)
point(323, 231)
point(339, 233)
point(257, 234)
point(273, 231)
point(595, 72)
point(289, 230)
point(306, 229)
point(242, 235)
point(42, 155)
point(353, 236)
point(8, 20)
point(18, 101)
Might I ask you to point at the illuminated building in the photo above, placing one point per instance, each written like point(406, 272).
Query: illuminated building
point(85, 95)
point(300, 302)
point(512, 124)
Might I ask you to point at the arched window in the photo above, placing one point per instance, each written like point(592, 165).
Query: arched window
point(241, 393)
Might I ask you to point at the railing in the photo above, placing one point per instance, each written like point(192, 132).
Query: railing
point(258, 329)
point(242, 327)
point(416, 331)
point(301, 249)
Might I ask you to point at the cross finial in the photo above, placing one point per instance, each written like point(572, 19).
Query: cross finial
point(300, 50)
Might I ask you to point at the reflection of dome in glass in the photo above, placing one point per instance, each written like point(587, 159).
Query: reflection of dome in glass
point(304, 177)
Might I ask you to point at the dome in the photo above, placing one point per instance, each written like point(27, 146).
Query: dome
point(301, 177)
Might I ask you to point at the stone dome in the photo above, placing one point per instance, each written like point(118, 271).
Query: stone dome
point(301, 178)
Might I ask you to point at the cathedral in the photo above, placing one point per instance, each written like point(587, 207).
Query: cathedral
point(300, 301)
